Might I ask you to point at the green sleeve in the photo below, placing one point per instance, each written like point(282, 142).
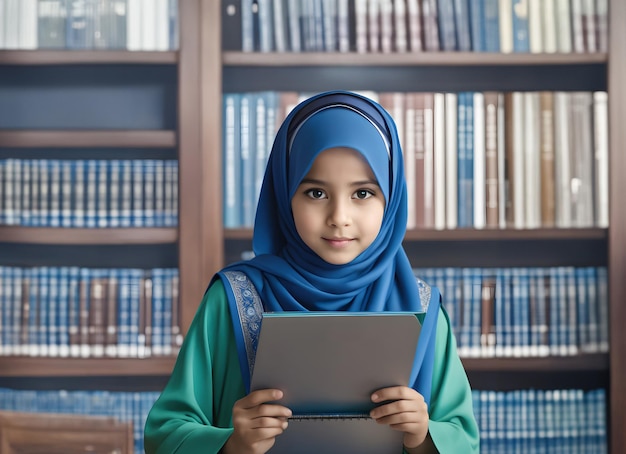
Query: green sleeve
point(194, 412)
point(452, 424)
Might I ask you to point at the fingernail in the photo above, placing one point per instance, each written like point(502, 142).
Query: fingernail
point(374, 397)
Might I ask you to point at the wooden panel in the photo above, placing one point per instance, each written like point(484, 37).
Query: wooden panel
point(74, 139)
point(63, 57)
point(76, 236)
point(46, 433)
point(617, 230)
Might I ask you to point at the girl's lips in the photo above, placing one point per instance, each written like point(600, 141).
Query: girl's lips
point(338, 242)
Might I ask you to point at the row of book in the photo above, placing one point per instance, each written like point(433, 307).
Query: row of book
point(150, 25)
point(89, 193)
point(525, 312)
point(82, 312)
point(123, 406)
point(537, 26)
point(568, 421)
point(519, 160)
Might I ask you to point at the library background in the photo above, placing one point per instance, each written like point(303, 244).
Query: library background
point(133, 134)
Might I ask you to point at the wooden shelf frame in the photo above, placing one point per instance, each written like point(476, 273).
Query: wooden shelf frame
point(86, 57)
point(111, 138)
point(83, 236)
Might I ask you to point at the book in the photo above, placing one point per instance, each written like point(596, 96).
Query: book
point(330, 396)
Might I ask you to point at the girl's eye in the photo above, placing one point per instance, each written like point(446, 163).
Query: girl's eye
point(363, 194)
point(315, 193)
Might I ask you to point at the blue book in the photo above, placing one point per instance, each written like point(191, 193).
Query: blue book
point(521, 42)
point(167, 310)
point(30, 339)
point(491, 18)
point(462, 157)
point(477, 27)
point(582, 306)
point(54, 311)
point(123, 313)
point(467, 180)
point(232, 162)
point(5, 308)
point(463, 28)
point(77, 24)
point(447, 27)
point(63, 296)
point(247, 157)
point(73, 307)
point(138, 218)
point(158, 283)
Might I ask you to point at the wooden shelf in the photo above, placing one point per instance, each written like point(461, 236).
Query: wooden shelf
point(87, 57)
point(84, 138)
point(596, 234)
point(408, 59)
point(20, 366)
point(91, 236)
point(584, 362)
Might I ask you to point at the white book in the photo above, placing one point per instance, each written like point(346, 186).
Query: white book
point(451, 161)
point(280, 25)
point(91, 195)
point(582, 159)
point(563, 203)
point(549, 26)
point(373, 27)
point(578, 34)
point(266, 38)
point(518, 152)
point(17, 190)
point(400, 31)
point(149, 24)
point(35, 193)
point(601, 165)
point(501, 162)
point(602, 12)
point(126, 193)
point(360, 19)
point(386, 25)
point(409, 159)
point(343, 25)
point(535, 26)
point(479, 161)
point(439, 195)
point(66, 193)
point(26, 193)
point(415, 25)
point(11, 24)
point(134, 23)
point(27, 24)
point(114, 193)
point(532, 161)
point(3, 24)
point(293, 13)
point(161, 25)
point(80, 210)
point(138, 213)
point(589, 21)
point(42, 213)
point(563, 26)
point(103, 186)
point(9, 205)
point(329, 25)
point(505, 15)
point(55, 193)
point(148, 198)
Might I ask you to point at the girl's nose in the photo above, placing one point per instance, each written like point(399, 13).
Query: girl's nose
point(339, 214)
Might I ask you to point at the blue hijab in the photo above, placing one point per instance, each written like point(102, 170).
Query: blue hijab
point(286, 273)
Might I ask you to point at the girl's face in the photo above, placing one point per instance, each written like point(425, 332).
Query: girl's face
point(338, 207)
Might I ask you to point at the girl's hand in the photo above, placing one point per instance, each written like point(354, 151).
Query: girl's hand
point(406, 412)
point(257, 422)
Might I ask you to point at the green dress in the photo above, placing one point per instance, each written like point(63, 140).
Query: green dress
point(194, 412)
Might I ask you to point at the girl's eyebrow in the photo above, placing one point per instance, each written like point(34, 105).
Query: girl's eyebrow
point(354, 183)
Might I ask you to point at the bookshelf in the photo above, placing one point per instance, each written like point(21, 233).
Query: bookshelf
point(458, 71)
point(166, 132)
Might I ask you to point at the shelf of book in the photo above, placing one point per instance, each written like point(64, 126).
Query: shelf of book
point(85, 57)
point(84, 138)
point(583, 362)
point(20, 366)
point(83, 236)
point(408, 59)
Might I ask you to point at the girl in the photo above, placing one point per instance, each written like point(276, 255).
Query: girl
point(328, 236)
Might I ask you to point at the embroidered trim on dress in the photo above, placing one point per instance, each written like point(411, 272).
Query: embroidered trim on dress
point(250, 311)
point(424, 292)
